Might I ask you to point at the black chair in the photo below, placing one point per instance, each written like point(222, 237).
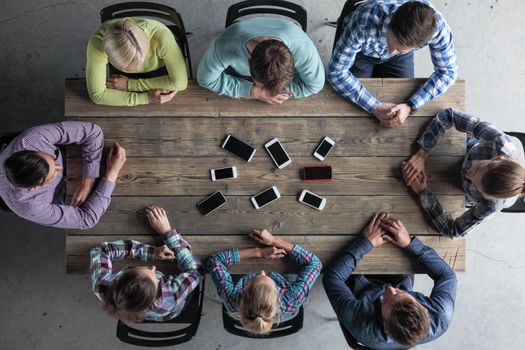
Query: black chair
point(351, 341)
point(5, 139)
point(348, 7)
point(519, 206)
point(276, 7)
point(147, 9)
point(282, 329)
point(190, 315)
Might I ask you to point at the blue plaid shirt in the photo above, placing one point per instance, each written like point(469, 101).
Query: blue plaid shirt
point(491, 142)
point(366, 32)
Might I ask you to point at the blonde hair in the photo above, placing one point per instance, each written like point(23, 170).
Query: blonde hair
point(126, 45)
point(258, 307)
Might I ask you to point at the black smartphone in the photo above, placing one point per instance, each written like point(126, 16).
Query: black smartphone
point(210, 203)
point(239, 147)
point(317, 173)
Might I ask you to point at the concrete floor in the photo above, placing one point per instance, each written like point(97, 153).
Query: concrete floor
point(43, 42)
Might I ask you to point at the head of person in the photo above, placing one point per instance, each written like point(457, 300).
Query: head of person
point(411, 26)
point(126, 45)
point(498, 178)
point(272, 65)
point(128, 297)
point(259, 304)
point(31, 169)
point(405, 319)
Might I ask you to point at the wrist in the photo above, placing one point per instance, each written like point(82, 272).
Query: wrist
point(111, 175)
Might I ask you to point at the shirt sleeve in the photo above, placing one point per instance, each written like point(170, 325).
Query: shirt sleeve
point(343, 58)
point(103, 255)
point(310, 76)
point(169, 52)
point(341, 297)
point(312, 267)
point(444, 58)
point(217, 266)
point(96, 63)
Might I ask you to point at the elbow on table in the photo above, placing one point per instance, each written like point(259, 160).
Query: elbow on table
point(98, 97)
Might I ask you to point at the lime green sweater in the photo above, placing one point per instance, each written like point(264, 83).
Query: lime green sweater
point(163, 51)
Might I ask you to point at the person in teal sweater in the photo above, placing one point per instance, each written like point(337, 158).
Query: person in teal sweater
point(134, 45)
point(269, 59)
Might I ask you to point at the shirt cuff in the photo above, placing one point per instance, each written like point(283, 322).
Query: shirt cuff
point(106, 187)
point(173, 239)
point(142, 98)
point(370, 105)
point(415, 247)
point(245, 88)
point(91, 170)
point(235, 256)
point(360, 244)
point(132, 85)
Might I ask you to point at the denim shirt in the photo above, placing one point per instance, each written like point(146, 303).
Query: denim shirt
point(360, 310)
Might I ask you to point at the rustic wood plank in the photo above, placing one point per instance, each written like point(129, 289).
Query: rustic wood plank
point(386, 259)
point(199, 102)
point(190, 176)
point(191, 137)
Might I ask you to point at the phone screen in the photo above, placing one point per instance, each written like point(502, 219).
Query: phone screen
point(211, 203)
point(324, 148)
point(223, 173)
point(318, 173)
point(265, 197)
point(239, 148)
point(312, 200)
point(278, 153)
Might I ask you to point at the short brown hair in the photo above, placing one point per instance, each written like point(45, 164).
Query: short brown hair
point(413, 24)
point(505, 179)
point(272, 65)
point(408, 322)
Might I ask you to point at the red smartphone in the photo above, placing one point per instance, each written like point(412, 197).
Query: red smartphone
point(317, 173)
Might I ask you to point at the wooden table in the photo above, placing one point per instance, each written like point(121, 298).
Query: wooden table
point(170, 149)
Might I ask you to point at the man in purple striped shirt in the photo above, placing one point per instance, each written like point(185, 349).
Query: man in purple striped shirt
point(31, 171)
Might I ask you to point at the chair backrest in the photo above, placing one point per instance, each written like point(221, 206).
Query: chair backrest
point(349, 6)
point(276, 7)
point(167, 14)
point(351, 341)
point(190, 315)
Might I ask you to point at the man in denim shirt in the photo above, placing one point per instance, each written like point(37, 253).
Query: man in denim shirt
point(384, 316)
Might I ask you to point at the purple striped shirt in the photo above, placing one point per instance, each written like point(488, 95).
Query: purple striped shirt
point(36, 205)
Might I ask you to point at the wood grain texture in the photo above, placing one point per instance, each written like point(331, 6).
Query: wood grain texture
point(197, 137)
point(386, 259)
point(199, 102)
point(342, 215)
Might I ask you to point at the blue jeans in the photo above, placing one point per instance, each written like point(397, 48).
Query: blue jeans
point(401, 66)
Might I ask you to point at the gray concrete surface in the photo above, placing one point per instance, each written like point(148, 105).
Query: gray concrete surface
point(43, 42)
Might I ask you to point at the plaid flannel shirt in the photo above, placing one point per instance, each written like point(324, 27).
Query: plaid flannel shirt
point(492, 143)
point(292, 294)
point(366, 32)
point(173, 290)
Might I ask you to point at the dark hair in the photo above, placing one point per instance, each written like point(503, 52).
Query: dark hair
point(26, 169)
point(130, 296)
point(408, 323)
point(272, 65)
point(505, 179)
point(413, 24)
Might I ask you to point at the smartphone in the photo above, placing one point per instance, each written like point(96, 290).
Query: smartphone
point(277, 152)
point(317, 173)
point(223, 173)
point(312, 200)
point(324, 148)
point(265, 197)
point(210, 203)
point(239, 147)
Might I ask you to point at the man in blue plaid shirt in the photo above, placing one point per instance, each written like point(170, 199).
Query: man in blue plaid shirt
point(379, 40)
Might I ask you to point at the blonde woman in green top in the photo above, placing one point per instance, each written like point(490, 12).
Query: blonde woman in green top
point(134, 45)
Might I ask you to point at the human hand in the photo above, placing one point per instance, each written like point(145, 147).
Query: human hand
point(82, 192)
point(164, 253)
point(263, 236)
point(273, 253)
point(158, 219)
point(414, 166)
point(261, 94)
point(159, 96)
point(119, 82)
point(398, 114)
point(116, 159)
point(397, 233)
point(383, 111)
point(419, 183)
point(374, 231)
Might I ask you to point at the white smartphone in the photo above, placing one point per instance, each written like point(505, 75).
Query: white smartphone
point(265, 197)
point(278, 153)
point(223, 173)
point(312, 200)
point(239, 147)
point(324, 148)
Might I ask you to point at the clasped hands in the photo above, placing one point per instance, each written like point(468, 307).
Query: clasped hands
point(266, 238)
point(382, 228)
point(390, 115)
point(414, 173)
point(155, 96)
